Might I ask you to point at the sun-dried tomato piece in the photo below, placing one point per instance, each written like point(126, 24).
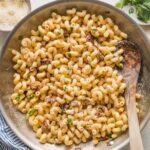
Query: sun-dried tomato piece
point(50, 98)
point(90, 38)
point(75, 103)
point(45, 126)
point(85, 103)
point(103, 138)
point(35, 86)
point(66, 34)
point(43, 43)
point(46, 61)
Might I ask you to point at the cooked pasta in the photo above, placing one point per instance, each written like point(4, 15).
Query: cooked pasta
point(67, 80)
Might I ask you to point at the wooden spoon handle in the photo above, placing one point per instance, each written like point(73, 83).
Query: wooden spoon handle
point(134, 130)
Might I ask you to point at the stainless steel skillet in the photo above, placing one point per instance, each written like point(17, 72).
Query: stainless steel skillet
point(16, 120)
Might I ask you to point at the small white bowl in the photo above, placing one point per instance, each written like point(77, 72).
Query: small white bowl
point(9, 27)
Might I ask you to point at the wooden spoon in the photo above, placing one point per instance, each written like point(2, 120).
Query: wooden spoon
point(130, 73)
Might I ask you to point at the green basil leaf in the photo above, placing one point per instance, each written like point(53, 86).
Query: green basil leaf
point(143, 12)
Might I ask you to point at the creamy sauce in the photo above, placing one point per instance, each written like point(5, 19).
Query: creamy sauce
point(12, 11)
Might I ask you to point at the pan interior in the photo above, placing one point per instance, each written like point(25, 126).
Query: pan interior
point(16, 120)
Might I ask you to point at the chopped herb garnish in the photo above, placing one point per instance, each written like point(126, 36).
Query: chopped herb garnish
point(65, 88)
point(30, 96)
point(69, 55)
point(131, 10)
point(94, 30)
point(119, 66)
point(47, 62)
point(69, 121)
point(100, 57)
point(109, 135)
point(20, 37)
point(18, 98)
point(59, 31)
point(62, 109)
point(99, 76)
point(32, 111)
point(68, 72)
point(29, 74)
point(71, 28)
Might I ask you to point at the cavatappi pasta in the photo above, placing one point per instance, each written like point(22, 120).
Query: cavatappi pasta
point(67, 80)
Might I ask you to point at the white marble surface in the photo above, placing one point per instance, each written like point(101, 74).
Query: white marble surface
point(146, 131)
